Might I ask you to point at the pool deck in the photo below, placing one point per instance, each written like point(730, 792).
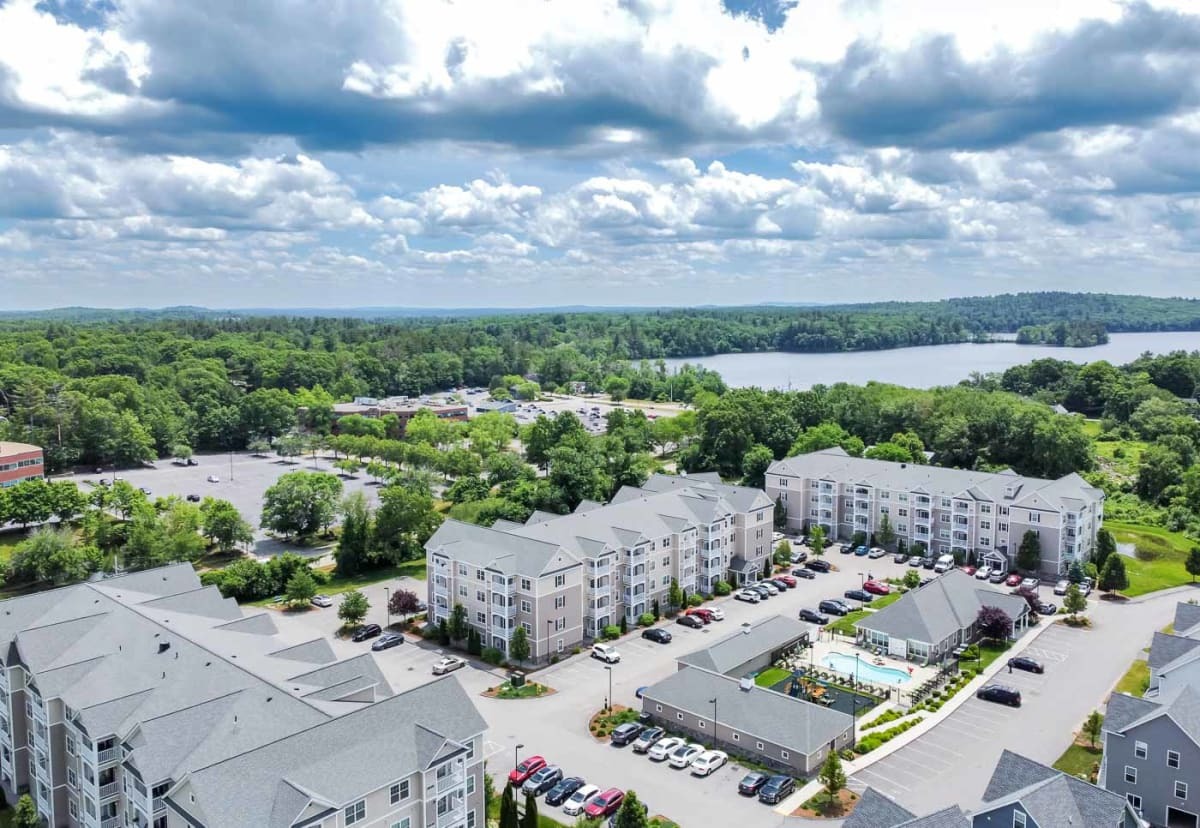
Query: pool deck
point(827, 644)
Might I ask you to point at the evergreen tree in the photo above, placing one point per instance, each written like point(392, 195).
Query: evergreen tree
point(816, 541)
point(26, 815)
point(656, 610)
point(780, 513)
point(508, 808)
point(1106, 544)
point(632, 813)
point(1113, 577)
point(518, 647)
point(885, 534)
point(474, 642)
point(1192, 565)
point(530, 819)
point(458, 623)
point(1093, 726)
point(351, 554)
point(1029, 555)
point(675, 595)
point(1074, 601)
point(1075, 573)
point(831, 776)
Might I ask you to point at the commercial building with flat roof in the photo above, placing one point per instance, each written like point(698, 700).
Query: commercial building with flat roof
point(18, 462)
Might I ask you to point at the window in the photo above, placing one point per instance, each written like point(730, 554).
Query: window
point(480, 595)
point(1181, 790)
point(356, 812)
point(479, 576)
point(985, 524)
point(658, 708)
point(470, 819)
point(666, 561)
point(1172, 759)
point(884, 495)
point(1139, 750)
point(480, 618)
point(985, 508)
point(783, 754)
point(462, 570)
point(528, 627)
point(902, 512)
point(406, 822)
point(758, 745)
point(470, 784)
point(73, 809)
point(462, 591)
point(1135, 801)
point(526, 586)
point(1018, 819)
point(1131, 774)
point(526, 606)
point(399, 791)
point(560, 602)
point(560, 580)
point(737, 737)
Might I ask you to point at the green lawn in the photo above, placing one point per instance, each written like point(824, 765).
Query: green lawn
point(411, 569)
point(1136, 679)
point(8, 542)
point(1078, 760)
point(771, 676)
point(1159, 560)
point(845, 624)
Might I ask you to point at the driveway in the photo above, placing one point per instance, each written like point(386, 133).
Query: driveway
point(953, 761)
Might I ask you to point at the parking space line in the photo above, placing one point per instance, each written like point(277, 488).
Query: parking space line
point(935, 752)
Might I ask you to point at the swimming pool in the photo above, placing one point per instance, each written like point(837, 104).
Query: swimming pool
point(867, 671)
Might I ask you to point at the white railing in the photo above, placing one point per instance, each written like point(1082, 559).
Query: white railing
point(111, 822)
point(108, 755)
point(110, 790)
point(452, 817)
point(160, 805)
point(451, 781)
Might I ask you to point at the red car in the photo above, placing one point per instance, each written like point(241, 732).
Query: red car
point(528, 767)
point(704, 615)
point(877, 588)
point(1013, 580)
point(969, 570)
point(605, 804)
point(787, 579)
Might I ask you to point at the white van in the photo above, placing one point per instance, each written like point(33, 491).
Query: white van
point(606, 653)
point(944, 564)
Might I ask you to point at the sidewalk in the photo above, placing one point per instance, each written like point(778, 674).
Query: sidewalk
point(929, 721)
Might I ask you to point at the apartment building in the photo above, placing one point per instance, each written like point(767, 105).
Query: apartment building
point(564, 578)
point(969, 513)
point(150, 700)
point(18, 462)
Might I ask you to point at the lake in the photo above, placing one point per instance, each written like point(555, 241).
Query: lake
point(923, 367)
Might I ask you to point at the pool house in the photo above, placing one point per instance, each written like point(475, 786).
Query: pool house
point(929, 622)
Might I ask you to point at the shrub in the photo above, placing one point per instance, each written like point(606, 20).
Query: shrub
point(722, 588)
point(646, 619)
point(554, 659)
point(611, 631)
point(624, 625)
point(695, 600)
point(492, 656)
point(576, 650)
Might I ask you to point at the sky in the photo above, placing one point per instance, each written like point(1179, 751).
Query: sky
point(524, 153)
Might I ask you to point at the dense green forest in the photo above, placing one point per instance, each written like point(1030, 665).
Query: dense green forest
point(1075, 334)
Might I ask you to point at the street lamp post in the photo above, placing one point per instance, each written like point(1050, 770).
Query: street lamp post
point(713, 702)
point(387, 592)
point(608, 699)
point(862, 587)
point(549, 622)
point(516, 748)
point(854, 705)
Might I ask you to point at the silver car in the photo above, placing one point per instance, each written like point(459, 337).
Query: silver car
point(448, 665)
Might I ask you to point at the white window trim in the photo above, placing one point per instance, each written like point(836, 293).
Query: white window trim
point(1140, 749)
point(1130, 770)
point(1179, 785)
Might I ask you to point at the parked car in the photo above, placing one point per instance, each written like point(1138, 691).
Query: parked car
point(322, 601)
point(448, 664)
point(752, 783)
point(647, 738)
point(983, 573)
point(814, 617)
point(212, 478)
point(876, 552)
point(1061, 587)
point(193, 498)
point(104, 481)
point(1000, 694)
point(626, 733)
point(561, 792)
point(761, 591)
point(915, 560)
point(606, 653)
point(1013, 580)
point(579, 800)
point(833, 606)
point(788, 580)
point(799, 556)
point(768, 586)
point(387, 641)
point(858, 595)
point(692, 621)
point(1085, 588)
point(663, 747)
point(703, 613)
point(747, 595)
point(192, 461)
point(998, 576)
point(804, 573)
point(1027, 664)
point(861, 551)
point(525, 769)
point(657, 635)
point(844, 548)
point(366, 631)
point(819, 565)
point(683, 755)
point(928, 562)
point(707, 762)
point(1030, 583)
point(717, 613)
point(543, 780)
point(877, 588)
point(604, 804)
point(780, 584)
point(777, 789)
point(144, 490)
point(900, 557)
point(969, 570)
point(1046, 608)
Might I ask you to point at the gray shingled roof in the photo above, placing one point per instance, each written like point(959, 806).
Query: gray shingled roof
point(504, 551)
point(874, 810)
point(1182, 706)
point(742, 498)
point(383, 742)
point(1187, 618)
point(1124, 709)
point(1031, 492)
point(952, 817)
point(940, 609)
point(1167, 649)
point(736, 649)
point(1049, 796)
point(793, 723)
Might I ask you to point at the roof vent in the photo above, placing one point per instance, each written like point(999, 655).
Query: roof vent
point(163, 646)
point(746, 684)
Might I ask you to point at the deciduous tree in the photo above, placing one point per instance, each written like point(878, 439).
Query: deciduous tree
point(353, 608)
point(994, 623)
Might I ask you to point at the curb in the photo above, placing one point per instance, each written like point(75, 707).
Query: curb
point(930, 721)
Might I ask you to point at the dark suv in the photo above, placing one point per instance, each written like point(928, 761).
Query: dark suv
point(818, 565)
point(833, 606)
point(752, 783)
point(366, 631)
point(813, 617)
point(626, 733)
point(777, 789)
point(1000, 694)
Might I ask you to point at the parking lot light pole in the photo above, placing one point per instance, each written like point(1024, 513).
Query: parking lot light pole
point(713, 702)
point(516, 748)
point(608, 700)
point(387, 593)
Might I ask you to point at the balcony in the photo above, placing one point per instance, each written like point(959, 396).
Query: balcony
point(827, 500)
point(111, 822)
point(455, 816)
point(110, 791)
point(507, 611)
point(159, 805)
point(637, 555)
point(962, 507)
point(862, 505)
point(108, 755)
point(451, 781)
point(631, 597)
point(598, 570)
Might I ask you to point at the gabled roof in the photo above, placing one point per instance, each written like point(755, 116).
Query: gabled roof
point(941, 608)
point(1050, 797)
point(874, 810)
point(502, 550)
point(1187, 619)
point(951, 817)
point(765, 636)
point(1181, 706)
point(1170, 651)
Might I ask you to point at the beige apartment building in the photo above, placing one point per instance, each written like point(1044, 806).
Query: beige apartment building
point(149, 700)
point(564, 578)
point(954, 511)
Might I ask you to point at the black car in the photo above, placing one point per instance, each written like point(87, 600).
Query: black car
point(1000, 694)
point(626, 733)
point(1046, 608)
point(763, 592)
point(752, 783)
point(561, 792)
point(777, 789)
point(387, 641)
point(1026, 663)
point(690, 621)
point(193, 498)
point(818, 565)
point(658, 635)
point(833, 606)
point(858, 595)
point(192, 461)
point(900, 557)
point(928, 561)
point(366, 631)
point(782, 586)
point(813, 617)
point(846, 548)
point(803, 573)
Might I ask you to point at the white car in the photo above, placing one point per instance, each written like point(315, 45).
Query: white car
point(718, 614)
point(683, 755)
point(707, 762)
point(983, 573)
point(769, 587)
point(322, 601)
point(876, 552)
point(212, 478)
point(1061, 587)
point(606, 653)
point(662, 749)
point(747, 595)
point(579, 800)
point(447, 665)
